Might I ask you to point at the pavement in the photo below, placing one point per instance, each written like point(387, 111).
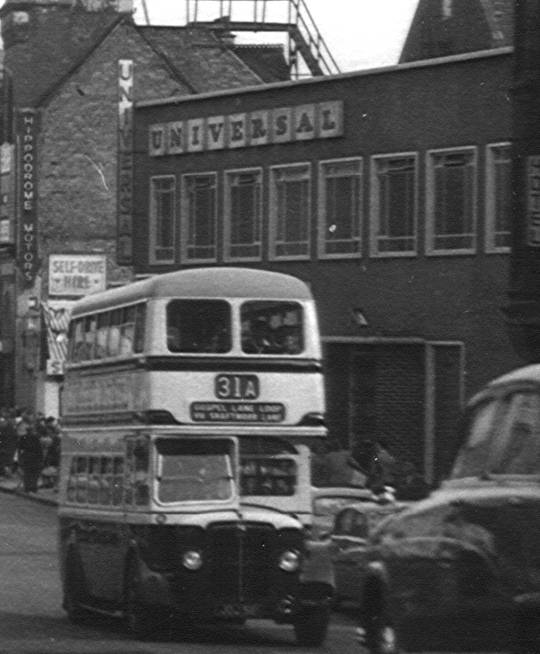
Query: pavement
point(14, 485)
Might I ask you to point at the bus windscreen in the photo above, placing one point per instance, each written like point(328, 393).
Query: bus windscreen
point(194, 471)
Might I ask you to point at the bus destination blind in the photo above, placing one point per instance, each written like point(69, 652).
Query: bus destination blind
point(267, 412)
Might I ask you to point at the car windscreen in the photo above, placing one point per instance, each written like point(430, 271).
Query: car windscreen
point(194, 470)
point(502, 437)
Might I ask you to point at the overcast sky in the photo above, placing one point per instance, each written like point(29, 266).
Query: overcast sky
point(359, 33)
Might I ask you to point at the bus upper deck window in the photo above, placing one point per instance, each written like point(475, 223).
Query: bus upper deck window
point(272, 327)
point(198, 326)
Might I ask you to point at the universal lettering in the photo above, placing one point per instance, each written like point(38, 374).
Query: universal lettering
point(264, 126)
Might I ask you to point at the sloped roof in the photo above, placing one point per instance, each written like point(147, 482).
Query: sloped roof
point(267, 60)
point(63, 40)
point(199, 59)
point(464, 26)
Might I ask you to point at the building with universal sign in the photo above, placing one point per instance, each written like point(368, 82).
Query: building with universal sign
point(388, 192)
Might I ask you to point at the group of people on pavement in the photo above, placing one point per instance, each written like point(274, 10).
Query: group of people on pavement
point(30, 447)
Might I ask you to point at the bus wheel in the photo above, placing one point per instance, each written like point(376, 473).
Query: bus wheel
point(139, 618)
point(72, 591)
point(311, 625)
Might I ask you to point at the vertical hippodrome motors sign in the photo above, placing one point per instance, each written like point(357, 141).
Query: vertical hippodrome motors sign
point(27, 251)
point(124, 248)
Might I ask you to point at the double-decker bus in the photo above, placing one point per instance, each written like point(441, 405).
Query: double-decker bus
point(190, 403)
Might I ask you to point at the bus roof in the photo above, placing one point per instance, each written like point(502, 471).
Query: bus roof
point(200, 283)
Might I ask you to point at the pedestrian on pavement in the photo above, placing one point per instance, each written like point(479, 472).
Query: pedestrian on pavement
point(30, 452)
point(51, 461)
point(8, 443)
point(3, 435)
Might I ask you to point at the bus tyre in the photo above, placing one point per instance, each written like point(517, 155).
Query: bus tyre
point(139, 618)
point(72, 591)
point(311, 625)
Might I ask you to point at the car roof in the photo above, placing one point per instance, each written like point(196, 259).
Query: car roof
point(525, 374)
point(361, 506)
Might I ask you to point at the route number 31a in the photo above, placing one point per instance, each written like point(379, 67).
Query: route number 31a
point(237, 387)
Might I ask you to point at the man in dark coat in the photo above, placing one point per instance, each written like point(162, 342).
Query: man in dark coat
point(8, 443)
point(30, 453)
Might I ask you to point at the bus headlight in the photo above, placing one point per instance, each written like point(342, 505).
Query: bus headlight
point(192, 560)
point(289, 561)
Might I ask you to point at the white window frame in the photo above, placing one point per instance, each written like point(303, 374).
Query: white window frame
point(184, 218)
point(228, 175)
point(153, 224)
point(491, 190)
point(430, 200)
point(355, 240)
point(374, 209)
point(273, 204)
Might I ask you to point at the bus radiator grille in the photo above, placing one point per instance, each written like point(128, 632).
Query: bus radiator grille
point(241, 557)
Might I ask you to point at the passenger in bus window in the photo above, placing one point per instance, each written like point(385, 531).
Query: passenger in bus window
point(118, 480)
point(173, 338)
point(126, 339)
point(258, 338)
point(290, 340)
point(114, 341)
point(218, 341)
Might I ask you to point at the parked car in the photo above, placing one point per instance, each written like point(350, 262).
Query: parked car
point(327, 501)
point(460, 570)
point(352, 527)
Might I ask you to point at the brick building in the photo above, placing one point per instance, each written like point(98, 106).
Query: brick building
point(71, 70)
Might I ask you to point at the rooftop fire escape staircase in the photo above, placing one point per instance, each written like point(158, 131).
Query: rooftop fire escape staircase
point(307, 53)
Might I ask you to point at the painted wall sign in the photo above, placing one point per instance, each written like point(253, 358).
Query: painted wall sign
point(287, 124)
point(533, 201)
point(124, 248)
point(77, 274)
point(27, 252)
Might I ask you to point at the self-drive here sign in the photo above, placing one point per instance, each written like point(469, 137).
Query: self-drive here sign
point(77, 274)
